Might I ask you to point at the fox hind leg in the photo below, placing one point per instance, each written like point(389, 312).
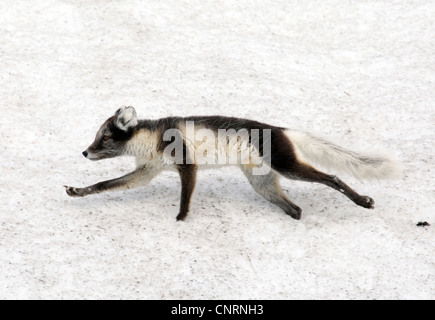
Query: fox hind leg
point(305, 172)
point(269, 188)
point(285, 161)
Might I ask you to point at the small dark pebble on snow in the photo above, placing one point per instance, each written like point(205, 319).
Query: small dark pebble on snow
point(423, 224)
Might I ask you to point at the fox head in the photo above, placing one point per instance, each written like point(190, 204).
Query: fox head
point(114, 133)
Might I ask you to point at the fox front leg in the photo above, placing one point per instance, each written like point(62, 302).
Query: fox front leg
point(139, 177)
point(188, 181)
point(119, 183)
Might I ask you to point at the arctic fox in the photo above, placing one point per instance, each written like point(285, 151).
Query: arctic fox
point(263, 152)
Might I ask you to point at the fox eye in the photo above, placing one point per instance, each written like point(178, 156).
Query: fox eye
point(105, 138)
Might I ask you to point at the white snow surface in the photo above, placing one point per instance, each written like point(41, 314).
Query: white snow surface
point(359, 72)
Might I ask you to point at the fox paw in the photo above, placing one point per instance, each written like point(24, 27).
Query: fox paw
point(74, 192)
point(368, 202)
point(181, 216)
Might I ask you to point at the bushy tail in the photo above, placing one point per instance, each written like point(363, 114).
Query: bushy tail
point(315, 150)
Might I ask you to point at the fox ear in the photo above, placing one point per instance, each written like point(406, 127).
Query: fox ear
point(126, 118)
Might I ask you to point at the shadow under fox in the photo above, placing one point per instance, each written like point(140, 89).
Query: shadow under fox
point(290, 153)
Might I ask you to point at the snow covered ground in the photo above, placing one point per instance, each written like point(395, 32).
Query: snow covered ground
point(361, 72)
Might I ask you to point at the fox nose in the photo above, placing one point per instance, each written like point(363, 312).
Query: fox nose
point(85, 154)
